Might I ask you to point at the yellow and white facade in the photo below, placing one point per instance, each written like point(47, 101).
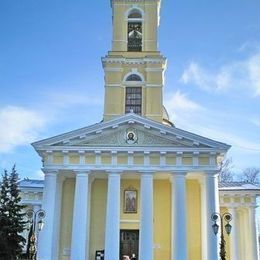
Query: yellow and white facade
point(170, 174)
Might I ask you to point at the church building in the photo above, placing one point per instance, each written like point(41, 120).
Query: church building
point(135, 185)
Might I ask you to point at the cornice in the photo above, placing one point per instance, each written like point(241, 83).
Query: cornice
point(133, 61)
point(131, 168)
point(133, 1)
point(143, 149)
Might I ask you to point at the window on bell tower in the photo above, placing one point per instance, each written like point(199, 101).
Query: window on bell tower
point(134, 31)
point(133, 100)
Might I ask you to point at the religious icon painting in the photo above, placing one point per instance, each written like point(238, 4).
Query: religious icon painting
point(130, 201)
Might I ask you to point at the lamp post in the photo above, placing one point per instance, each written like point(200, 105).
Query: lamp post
point(36, 224)
point(223, 219)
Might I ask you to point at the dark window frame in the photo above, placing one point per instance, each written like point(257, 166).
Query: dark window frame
point(133, 100)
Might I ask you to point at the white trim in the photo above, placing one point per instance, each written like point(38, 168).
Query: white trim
point(117, 2)
point(134, 71)
point(108, 69)
point(139, 120)
point(129, 221)
point(153, 86)
point(119, 40)
point(154, 69)
point(108, 148)
point(137, 168)
point(114, 85)
point(158, 60)
point(132, 8)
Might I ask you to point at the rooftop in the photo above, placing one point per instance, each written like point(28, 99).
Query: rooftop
point(29, 183)
point(238, 185)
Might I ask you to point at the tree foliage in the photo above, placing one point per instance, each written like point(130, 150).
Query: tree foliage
point(11, 217)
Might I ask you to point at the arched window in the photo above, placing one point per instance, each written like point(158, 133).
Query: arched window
point(135, 13)
point(134, 38)
point(133, 77)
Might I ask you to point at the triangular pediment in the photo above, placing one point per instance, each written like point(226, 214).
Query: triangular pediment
point(130, 130)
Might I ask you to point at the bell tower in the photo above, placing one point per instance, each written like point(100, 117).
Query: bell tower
point(134, 68)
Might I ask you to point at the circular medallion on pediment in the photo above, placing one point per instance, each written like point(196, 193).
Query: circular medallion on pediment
point(131, 136)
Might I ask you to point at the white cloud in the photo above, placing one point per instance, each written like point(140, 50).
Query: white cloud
point(178, 103)
point(237, 76)
point(216, 125)
point(19, 126)
point(222, 135)
point(39, 174)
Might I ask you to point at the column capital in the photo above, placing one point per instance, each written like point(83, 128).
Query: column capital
point(50, 172)
point(147, 173)
point(177, 174)
point(114, 172)
point(211, 173)
point(81, 173)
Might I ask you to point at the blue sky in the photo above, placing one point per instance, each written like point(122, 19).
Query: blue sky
point(51, 77)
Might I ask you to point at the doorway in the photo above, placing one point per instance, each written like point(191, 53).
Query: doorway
point(129, 243)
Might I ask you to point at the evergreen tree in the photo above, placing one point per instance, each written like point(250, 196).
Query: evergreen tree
point(11, 218)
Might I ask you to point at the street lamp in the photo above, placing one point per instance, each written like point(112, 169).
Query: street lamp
point(223, 219)
point(36, 224)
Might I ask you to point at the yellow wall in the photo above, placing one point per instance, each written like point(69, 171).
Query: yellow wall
point(66, 216)
point(74, 159)
point(97, 216)
point(162, 216)
point(58, 158)
point(149, 26)
point(162, 220)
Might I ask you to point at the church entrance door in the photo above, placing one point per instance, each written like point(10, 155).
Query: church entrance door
point(129, 243)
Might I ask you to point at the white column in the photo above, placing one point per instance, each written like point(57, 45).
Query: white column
point(254, 233)
point(146, 224)
point(204, 238)
point(112, 217)
point(79, 241)
point(47, 245)
point(212, 205)
point(179, 217)
point(234, 246)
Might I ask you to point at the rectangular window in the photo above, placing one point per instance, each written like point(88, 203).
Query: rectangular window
point(133, 100)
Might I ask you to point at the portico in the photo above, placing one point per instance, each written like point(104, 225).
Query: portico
point(94, 193)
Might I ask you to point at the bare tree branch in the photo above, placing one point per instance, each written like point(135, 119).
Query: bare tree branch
point(251, 174)
point(225, 170)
